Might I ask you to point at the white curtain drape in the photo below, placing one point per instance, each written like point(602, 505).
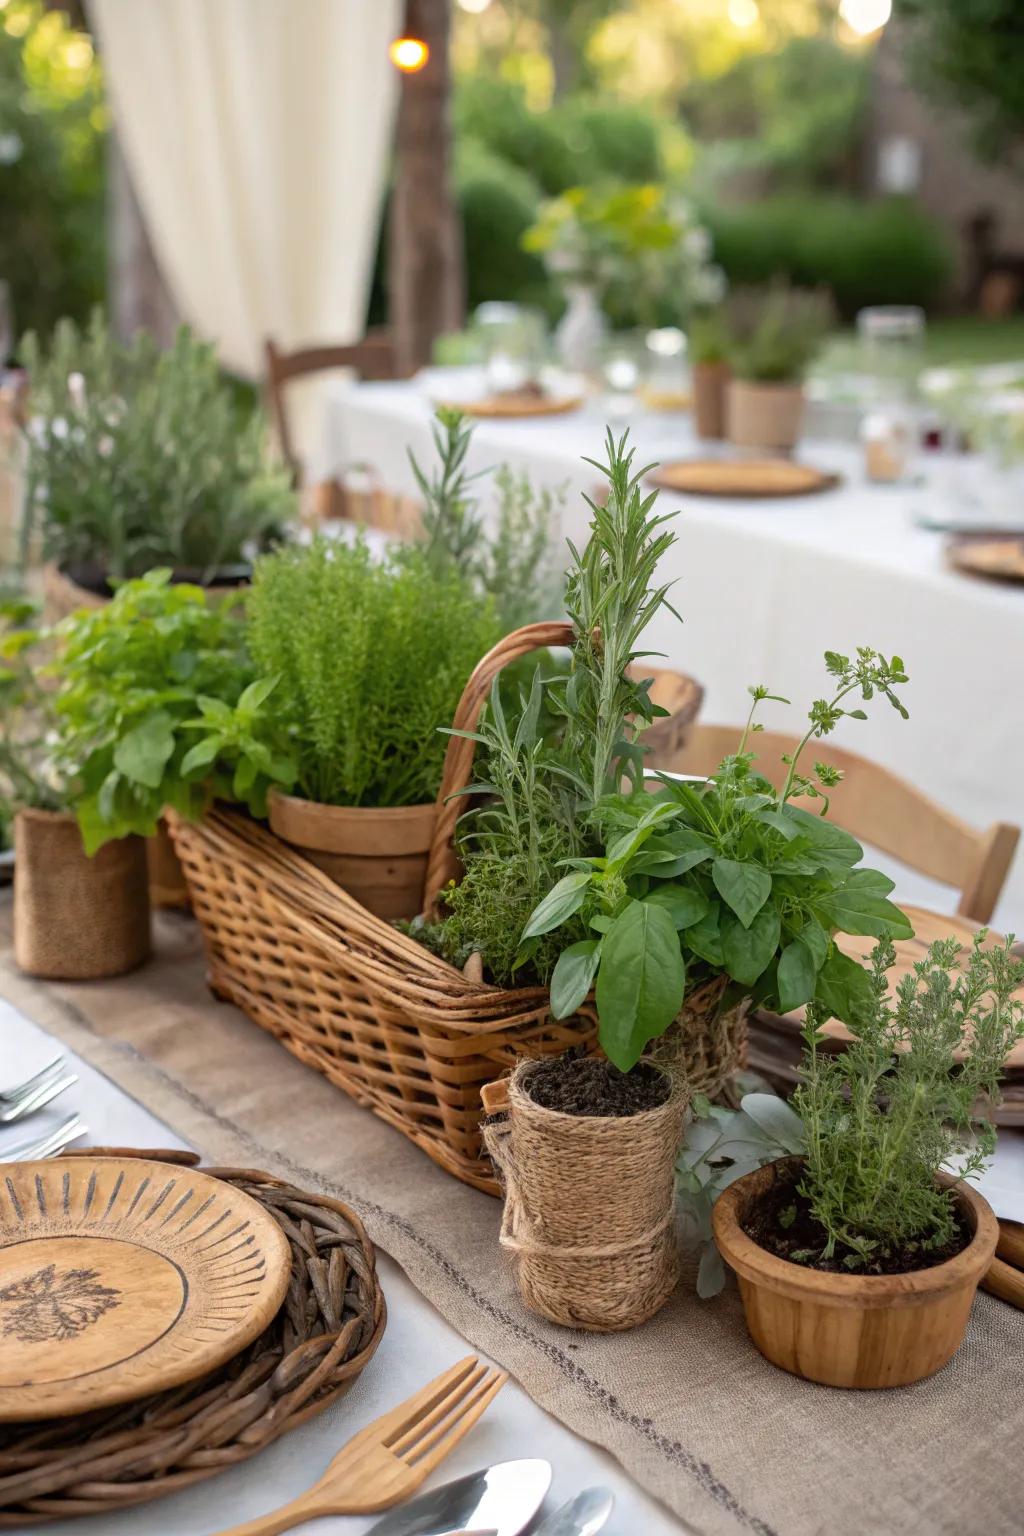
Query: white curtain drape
point(257, 134)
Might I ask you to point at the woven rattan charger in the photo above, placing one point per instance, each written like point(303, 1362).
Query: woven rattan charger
point(383, 1018)
point(331, 1322)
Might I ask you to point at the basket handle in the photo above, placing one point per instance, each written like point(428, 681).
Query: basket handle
point(458, 761)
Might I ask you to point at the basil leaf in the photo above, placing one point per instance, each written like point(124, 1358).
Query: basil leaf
point(831, 844)
point(705, 938)
point(561, 902)
point(798, 976)
point(780, 821)
point(813, 935)
point(143, 753)
point(845, 989)
point(573, 976)
point(747, 952)
point(869, 880)
point(864, 911)
point(743, 887)
point(684, 906)
point(640, 982)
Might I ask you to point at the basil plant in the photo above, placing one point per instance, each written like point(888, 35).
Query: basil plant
point(727, 878)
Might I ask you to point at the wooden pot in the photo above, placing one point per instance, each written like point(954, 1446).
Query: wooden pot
point(77, 918)
point(710, 381)
point(764, 415)
point(849, 1330)
point(378, 854)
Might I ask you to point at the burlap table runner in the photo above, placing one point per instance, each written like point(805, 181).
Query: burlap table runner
point(685, 1403)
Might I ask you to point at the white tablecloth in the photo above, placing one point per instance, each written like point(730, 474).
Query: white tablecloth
point(417, 1346)
point(764, 588)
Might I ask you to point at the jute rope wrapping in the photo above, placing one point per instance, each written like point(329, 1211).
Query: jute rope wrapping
point(589, 1207)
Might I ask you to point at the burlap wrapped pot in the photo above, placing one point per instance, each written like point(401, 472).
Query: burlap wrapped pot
point(77, 918)
point(589, 1207)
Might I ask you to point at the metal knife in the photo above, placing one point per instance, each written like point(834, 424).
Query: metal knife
point(502, 1499)
point(582, 1516)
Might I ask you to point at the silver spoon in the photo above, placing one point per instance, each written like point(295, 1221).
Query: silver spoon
point(582, 1516)
point(503, 1499)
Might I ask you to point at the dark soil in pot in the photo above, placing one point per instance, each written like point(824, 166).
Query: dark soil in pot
point(782, 1224)
point(95, 579)
point(575, 1084)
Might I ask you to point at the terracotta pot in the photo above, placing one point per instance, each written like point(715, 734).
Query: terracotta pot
point(589, 1203)
point(76, 918)
point(378, 854)
point(764, 415)
point(168, 888)
point(710, 381)
point(849, 1330)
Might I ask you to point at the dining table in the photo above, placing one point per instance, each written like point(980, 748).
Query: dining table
point(764, 586)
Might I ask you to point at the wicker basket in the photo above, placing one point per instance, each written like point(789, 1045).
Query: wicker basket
point(405, 1034)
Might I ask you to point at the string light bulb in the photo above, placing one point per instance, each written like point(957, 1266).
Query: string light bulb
point(865, 16)
point(409, 54)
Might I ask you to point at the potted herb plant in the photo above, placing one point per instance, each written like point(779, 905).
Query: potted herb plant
point(370, 658)
point(140, 458)
point(774, 335)
point(709, 344)
point(858, 1261)
point(76, 918)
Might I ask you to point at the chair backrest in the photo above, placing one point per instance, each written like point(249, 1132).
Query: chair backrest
point(875, 805)
point(371, 358)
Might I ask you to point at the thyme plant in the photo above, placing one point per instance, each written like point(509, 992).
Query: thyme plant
point(905, 1100)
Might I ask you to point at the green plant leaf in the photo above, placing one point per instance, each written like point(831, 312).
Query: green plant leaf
point(748, 951)
point(573, 976)
point(705, 939)
point(683, 905)
point(560, 903)
point(797, 976)
point(640, 982)
point(832, 845)
point(864, 911)
point(743, 887)
point(256, 694)
point(201, 755)
point(845, 989)
point(869, 880)
point(143, 753)
point(814, 937)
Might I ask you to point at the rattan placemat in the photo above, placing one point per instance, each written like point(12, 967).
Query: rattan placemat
point(742, 477)
point(328, 1328)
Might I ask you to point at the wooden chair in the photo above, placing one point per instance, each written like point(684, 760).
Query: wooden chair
point(883, 810)
point(371, 358)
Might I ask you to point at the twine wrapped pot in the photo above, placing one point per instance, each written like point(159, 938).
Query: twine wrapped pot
point(590, 1207)
point(385, 1019)
point(76, 918)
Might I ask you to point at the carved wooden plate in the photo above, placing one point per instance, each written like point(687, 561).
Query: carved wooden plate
point(119, 1278)
point(515, 405)
point(742, 477)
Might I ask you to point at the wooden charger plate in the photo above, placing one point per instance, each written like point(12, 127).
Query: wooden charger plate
point(928, 926)
point(513, 406)
point(121, 1277)
point(742, 477)
point(1000, 558)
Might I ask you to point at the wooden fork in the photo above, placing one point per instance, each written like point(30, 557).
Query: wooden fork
point(389, 1459)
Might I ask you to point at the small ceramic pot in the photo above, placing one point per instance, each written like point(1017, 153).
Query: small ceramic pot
point(710, 381)
point(849, 1330)
point(77, 918)
point(378, 854)
point(764, 415)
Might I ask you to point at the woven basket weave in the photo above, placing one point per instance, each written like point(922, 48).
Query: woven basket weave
point(405, 1034)
point(331, 1322)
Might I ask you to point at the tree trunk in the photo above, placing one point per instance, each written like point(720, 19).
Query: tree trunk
point(138, 297)
point(425, 257)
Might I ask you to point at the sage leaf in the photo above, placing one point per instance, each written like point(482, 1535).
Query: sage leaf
point(684, 906)
point(640, 982)
point(747, 952)
point(710, 1273)
point(797, 977)
point(573, 976)
point(743, 887)
point(560, 903)
point(777, 1119)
